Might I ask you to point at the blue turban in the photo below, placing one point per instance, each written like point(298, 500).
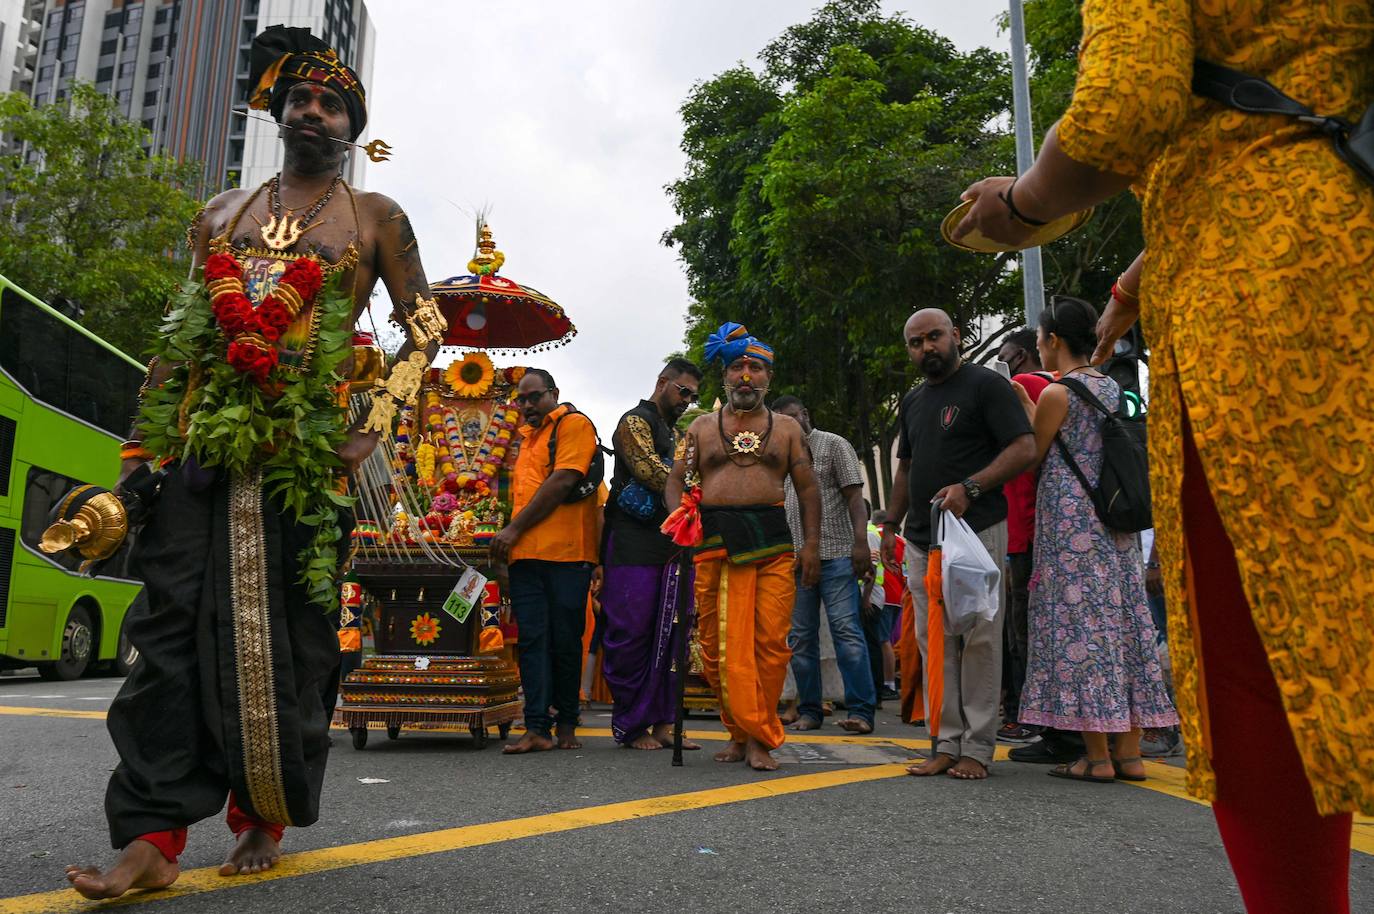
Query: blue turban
point(733, 341)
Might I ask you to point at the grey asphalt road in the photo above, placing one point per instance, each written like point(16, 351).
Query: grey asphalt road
point(1019, 842)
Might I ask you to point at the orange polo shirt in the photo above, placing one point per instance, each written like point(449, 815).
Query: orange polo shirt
point(572, 532)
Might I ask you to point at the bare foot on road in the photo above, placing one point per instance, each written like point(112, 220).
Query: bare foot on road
point(664, 734)
point(140, 866)
point(530, 742)
point(255, 852)
point(805, 723)
point(758, 757)
point(855, 725)
point(968, 769)
point(938, 763)
point(645, 741)
point(733, 752)
point(567, 737)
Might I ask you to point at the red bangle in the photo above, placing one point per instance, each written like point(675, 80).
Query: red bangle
point(1121, 295)
point(130, 453)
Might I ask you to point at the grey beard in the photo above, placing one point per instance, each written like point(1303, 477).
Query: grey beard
point(760, 391)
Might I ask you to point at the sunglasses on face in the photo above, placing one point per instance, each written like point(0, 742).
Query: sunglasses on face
point(530, 398)
point(691, 396)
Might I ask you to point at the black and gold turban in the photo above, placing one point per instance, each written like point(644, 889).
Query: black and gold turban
point(282, 57)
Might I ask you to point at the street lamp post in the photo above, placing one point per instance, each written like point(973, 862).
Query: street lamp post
point(1032, 273)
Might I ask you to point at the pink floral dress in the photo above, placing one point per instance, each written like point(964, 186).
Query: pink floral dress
point(1093, 662)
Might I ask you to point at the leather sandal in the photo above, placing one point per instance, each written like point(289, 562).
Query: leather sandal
point(1066, 771)
point(1123, 776)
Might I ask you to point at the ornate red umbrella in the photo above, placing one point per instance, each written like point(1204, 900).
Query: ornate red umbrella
point(487, 311)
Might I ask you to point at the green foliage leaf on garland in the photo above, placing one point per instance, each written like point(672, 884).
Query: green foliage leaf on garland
point(231, 425)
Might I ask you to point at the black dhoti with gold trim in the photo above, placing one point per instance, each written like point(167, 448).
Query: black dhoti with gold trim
point(235, 665)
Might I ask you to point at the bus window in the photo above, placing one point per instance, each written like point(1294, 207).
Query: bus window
point(101, 387)
point(66, 369)
point(34, 349)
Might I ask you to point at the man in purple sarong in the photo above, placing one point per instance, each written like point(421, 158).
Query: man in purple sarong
point(640, 588)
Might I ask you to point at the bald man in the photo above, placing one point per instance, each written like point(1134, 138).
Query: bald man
point(962, 435)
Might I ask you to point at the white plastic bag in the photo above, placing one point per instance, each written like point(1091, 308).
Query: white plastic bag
point(971, 577)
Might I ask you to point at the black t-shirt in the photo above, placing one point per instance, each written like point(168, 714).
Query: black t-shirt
point(950, 431)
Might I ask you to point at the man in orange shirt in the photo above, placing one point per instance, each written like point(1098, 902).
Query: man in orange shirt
point(550, 546)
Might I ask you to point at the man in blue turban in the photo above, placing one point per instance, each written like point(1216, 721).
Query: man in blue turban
point(734, 466)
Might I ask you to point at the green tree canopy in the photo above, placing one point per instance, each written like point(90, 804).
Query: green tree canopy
point(88, 215)
point(811, 205)
point(1087, 262)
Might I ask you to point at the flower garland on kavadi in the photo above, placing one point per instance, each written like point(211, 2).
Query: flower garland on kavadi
point(228, 406)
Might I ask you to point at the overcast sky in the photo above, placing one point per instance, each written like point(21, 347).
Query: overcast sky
point(562, 119)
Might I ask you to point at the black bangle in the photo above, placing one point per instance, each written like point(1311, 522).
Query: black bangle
point(1016, 213)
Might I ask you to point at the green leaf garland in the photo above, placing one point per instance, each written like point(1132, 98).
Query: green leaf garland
point(232, 425)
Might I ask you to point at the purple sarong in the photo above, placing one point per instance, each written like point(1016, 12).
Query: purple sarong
point(638, 603)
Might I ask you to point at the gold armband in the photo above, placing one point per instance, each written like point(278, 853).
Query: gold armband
point(427, 323)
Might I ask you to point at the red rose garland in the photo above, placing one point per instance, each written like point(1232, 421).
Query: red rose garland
point(252, 332)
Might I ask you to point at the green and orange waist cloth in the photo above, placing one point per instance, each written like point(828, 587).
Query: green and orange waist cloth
point(744, 589)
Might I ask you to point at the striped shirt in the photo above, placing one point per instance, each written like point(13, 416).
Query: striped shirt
point(836, 466)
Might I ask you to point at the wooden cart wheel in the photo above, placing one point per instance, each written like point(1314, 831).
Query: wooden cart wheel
point(393, 731)
point(359, 737)
point(479, 735)
point(504, 729)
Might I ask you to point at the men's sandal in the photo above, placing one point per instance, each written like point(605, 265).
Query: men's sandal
point(1121, 775)
point(1066, 771)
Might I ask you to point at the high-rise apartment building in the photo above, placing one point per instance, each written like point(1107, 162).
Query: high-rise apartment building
point(181, 68)
point(21, 22)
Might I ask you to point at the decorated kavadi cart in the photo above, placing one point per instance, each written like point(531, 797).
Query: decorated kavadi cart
point(430, 499)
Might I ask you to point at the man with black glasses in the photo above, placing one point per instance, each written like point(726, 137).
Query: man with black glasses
point(550, 545)
point(640, 590)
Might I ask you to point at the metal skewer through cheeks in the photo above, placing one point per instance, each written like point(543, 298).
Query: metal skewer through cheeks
point(378, 150)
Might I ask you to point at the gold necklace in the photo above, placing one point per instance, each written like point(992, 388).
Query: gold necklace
point(281, 231)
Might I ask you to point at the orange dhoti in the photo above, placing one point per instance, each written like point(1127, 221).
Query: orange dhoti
point(909, 659)
point(744, 613)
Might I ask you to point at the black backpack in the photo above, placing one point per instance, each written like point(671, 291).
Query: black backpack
point(1122, 495)
point(596, 472)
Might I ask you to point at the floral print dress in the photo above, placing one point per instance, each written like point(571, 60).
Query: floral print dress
point(1093, 661)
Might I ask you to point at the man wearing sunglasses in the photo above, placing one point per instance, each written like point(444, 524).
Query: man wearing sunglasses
point(640, 582)
point(550, 546)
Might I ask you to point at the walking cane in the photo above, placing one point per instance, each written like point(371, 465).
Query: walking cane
point(682, 622)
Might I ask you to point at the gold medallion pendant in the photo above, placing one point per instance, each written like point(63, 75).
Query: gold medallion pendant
point(746, 442)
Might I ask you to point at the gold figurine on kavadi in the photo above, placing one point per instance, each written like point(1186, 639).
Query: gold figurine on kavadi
point(431, 499)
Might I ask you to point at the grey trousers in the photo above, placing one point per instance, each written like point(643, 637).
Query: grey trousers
point(973, 662)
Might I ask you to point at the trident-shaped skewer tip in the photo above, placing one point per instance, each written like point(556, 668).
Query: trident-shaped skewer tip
point(377, 150)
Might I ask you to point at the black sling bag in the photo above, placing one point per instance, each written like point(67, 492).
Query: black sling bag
point(1354, 142)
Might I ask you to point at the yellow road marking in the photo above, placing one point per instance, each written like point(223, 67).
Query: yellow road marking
point(51, 712)
point(207, 879)
point(1166, 779)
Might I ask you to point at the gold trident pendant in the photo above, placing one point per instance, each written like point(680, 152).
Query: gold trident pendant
point(281, 232)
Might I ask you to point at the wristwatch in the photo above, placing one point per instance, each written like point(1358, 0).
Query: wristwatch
point(974, 490)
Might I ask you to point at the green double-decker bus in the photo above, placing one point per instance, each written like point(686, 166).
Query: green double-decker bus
point(66, 402)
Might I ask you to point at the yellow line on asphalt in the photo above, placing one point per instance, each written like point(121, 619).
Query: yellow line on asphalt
point(1166, 779)
point(207, 879)
point(51, 712)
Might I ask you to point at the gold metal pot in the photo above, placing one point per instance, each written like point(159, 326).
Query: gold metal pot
point(92, 520)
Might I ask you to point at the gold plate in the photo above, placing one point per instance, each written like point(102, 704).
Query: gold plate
point(979, 243)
